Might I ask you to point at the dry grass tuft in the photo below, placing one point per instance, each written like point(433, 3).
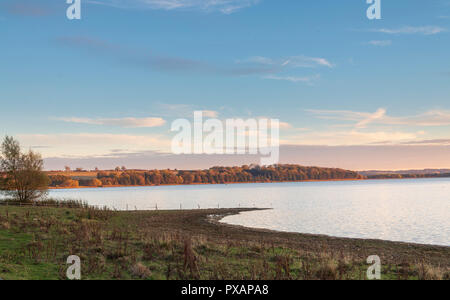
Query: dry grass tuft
point(427, 272)
point(328, 270)
point(140, 271)
point(5, 225)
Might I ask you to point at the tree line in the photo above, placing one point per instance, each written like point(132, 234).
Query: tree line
point(408, 176)
point(215, 175)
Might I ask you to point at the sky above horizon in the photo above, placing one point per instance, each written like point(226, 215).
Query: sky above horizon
point(350, 92)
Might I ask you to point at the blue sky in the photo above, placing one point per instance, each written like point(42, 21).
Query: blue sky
point(113, 81)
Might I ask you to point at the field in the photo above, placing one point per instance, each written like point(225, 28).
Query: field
point(36, 241)
point(88, 174)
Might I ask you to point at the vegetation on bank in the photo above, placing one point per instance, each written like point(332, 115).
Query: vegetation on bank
point(36, 241)
point(47, 202)
point(408, 176)
point(216, 175)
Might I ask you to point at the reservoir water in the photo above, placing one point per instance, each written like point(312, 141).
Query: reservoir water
point(399, 210)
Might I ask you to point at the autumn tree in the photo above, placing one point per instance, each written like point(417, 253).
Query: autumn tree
point(24, 179)
point(253, 173)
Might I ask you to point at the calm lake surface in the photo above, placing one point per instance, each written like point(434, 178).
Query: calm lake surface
point(399, 210)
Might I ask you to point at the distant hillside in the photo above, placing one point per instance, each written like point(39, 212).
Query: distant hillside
point(404, 172)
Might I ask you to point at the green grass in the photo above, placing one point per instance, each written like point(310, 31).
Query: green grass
point(36, 241)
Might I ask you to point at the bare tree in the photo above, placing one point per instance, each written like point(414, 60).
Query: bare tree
point(23, 179)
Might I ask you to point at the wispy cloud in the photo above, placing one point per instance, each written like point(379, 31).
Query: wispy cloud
point(294, 79)
point(424, 30)
point(120, 122)
point(149, 60)
point(304, 61)
point(27, 8)
point(347, 138)
point(279, 68)
point(429, 142)
point(300, 61)
point(362, 119)
point(223, 6)
point(94, 144)
point(379, 114)
point(142, 58)
point(362, 131)
point(383, 43)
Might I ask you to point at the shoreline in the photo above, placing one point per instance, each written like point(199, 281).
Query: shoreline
point(217, 220)
point(389, 251)
point(234, 183)
point(207, 222)
point(194, 184)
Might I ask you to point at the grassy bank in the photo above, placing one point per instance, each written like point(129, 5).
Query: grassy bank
point(36, 241)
